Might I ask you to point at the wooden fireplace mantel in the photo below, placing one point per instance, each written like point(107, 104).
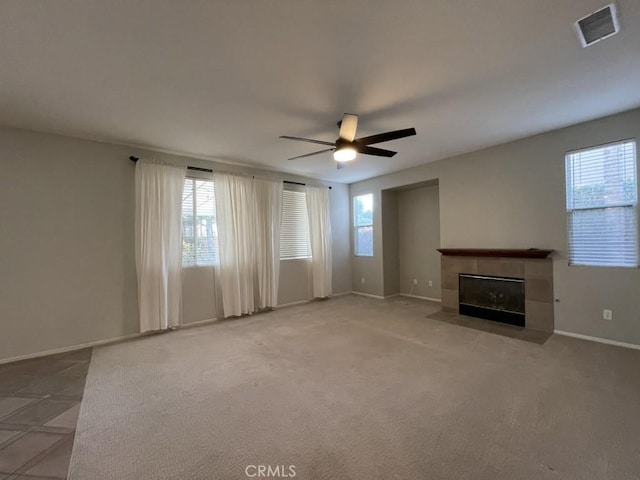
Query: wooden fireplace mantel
point(496, 252)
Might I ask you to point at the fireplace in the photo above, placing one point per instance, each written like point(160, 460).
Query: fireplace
point(525, 275)
point(492, 298)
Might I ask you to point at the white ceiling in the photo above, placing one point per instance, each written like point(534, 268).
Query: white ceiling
point(223, 79)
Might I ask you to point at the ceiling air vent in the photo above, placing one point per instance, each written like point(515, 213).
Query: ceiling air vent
point(598, 25)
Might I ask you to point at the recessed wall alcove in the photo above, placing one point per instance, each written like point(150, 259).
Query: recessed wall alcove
point(410, 238)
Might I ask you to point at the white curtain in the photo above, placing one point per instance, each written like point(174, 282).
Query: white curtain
point(267, 217)
point(320, 235)
point(236, 240)
point(158, 240)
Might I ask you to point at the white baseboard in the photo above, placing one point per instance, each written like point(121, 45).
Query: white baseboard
point(99, 343)
point(300, 302)
point(370, 295)
point(199, 323)
point(420, 298)
point(395, 295)
point(71, 348)
point(291, 304)
point(597, 339)
point(341, 294)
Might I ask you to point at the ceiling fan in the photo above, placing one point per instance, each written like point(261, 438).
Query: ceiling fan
point(347, 146)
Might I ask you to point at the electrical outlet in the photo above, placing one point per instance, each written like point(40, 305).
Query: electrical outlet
point(362, 280)
point(607, 315)
point(415, 281)
point(430, 283)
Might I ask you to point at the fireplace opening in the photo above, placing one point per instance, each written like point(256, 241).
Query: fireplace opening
point(492, 298)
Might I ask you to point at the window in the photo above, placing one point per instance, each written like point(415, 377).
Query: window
point(602, 200)
point(294, 232)
point(199, 233)
point(363, 225)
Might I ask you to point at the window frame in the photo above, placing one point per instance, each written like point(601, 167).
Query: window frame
point(356, 226)
point(305, 227)
point(196, 177)
point(572, 210)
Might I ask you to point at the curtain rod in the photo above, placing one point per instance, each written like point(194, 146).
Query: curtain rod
point(199, 169)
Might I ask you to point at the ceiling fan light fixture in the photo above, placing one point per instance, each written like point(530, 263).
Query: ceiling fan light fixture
point(344, 154)
point(346, 147)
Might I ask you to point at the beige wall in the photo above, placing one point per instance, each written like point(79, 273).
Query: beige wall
point(390, 243)
point(198, 295)
point(419, 226)
point(367, 272)
point(513, 196)
point(67, 268)
point(340, 235)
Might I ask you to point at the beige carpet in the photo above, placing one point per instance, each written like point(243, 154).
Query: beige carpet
point(356, 388)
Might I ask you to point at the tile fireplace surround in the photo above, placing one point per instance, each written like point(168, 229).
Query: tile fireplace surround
point(530, 265)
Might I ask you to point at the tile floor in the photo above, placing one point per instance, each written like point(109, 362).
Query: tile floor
point(39, 406)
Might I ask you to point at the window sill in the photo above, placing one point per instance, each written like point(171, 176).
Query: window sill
point(591, 265)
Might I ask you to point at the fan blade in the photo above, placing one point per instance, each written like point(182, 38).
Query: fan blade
point(348, 127)
point(375, 151)
point(385, 137)
point(309, 140)
point(313, 153)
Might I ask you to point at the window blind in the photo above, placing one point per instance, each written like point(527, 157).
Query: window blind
point(602, 199)
point(199, 231)
point(294, 231)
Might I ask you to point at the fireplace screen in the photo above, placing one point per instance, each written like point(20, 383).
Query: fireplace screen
point(492, 298)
